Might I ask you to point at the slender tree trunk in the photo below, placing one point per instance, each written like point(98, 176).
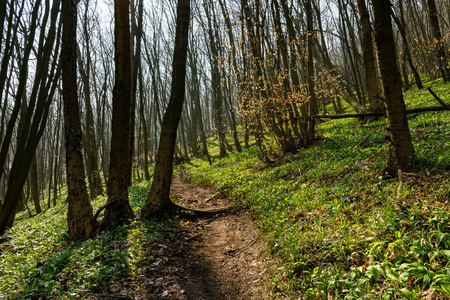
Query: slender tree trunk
point(26, 199)
point(294, 67)
point(197, 106)
point(2, 19)
point(310, 66)
point(118, 210)
point(81, 223)
point(369, 58)
point(32, 125)
point(400, 24)
point(95, 182)
point(444, 67)
point(136, 64)
point(144, 125)
point(23, 75)
point(34, 185)
point(215, 82)
point(55, 169)
point(230, 107)
point(402, 150)
point(158, 199)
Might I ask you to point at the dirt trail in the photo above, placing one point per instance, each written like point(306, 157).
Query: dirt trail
point(216, 257)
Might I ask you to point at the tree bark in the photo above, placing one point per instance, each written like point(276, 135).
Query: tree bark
point(370, 66)
point(34, 185)
point(444, 67)
point(119, 210)
point(95, 182)
point(136, 31)
point(402, 150)
point(158, 199)
point(407, 53)
point(310, 71)
point(215, 81)
point(33, 122)
point(144, 125)
point(23, 75)
point(80, 220)
point(2, 19)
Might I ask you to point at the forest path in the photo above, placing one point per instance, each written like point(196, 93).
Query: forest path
point(217, 257)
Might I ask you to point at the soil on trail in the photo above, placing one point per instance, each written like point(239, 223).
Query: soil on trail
point(217, 257)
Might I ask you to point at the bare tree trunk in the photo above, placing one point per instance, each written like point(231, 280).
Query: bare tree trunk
point(144, 124)
point(2, 19)
point(444, 67)
point(23, 75)
point(56, 157)
point(34, 185)
point(95, 182)
point(369, 58)
point(136, 31)
point(402, 150)
point(195, 95)
point(215, 82)
point(118, 209)
point(80, 220)
point(407, 52)
point(32, 125)
point(158, 199)
point(310, 66)
point(57, 169)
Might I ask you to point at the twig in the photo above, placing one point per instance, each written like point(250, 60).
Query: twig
point(362, 142)
point(438, 99)
point(203, 223)
point(192, 237)
point(115, 296)
point(412, 174)
point(212, 197)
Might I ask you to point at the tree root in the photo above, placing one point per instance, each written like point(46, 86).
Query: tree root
point(171, 209)
point(103, 208)
point(201, 212)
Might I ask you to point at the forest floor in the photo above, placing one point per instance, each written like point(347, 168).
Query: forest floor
point(323, 223)
point(221, 256)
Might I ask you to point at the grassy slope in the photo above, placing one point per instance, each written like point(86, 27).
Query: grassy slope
point(40, 260)
point(330, 215)
point(325, 212)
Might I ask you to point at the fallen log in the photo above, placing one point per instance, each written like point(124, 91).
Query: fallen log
point(375, 114)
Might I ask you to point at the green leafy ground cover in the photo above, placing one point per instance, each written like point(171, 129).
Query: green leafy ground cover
point(39, 260)
point(330, 214)
point(326, 211)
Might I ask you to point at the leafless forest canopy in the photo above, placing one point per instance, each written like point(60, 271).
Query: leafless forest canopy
point(253, 67)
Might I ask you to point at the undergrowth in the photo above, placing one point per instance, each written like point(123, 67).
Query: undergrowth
point(327, 212)
point(41, 261)
point(330, 214)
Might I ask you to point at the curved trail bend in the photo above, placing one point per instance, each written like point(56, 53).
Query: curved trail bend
point(217, 257)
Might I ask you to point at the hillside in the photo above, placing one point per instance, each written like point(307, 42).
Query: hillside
point(343, 229)
point(339, 227)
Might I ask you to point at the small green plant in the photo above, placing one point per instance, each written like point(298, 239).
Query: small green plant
point(330, 214)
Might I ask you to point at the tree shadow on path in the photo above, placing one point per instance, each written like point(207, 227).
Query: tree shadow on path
point(220, 256)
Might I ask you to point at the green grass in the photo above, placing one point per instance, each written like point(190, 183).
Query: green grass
point(329, 214)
